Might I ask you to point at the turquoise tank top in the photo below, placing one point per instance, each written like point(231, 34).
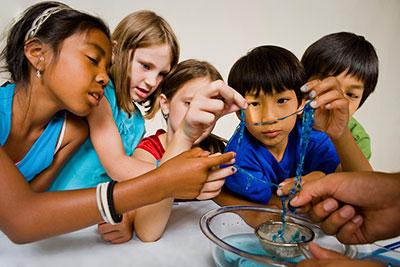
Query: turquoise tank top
point(40, 156)
point(84, 169)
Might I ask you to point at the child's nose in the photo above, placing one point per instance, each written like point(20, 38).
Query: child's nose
point(151, 79)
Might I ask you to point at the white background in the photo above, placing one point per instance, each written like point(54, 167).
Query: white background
point(221, 31)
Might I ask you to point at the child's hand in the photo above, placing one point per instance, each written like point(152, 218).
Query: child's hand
point(216, 180)
point(207, 106)
point(331, 107)
point(119, 233)
point(185, 175)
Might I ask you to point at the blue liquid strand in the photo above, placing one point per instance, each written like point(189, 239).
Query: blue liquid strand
point(306, 128)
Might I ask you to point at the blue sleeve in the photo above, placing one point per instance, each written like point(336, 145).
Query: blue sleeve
point(321, 155)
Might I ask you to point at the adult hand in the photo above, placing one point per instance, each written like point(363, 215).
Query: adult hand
point(331, 107)
point(370, 211)
point(328, 258)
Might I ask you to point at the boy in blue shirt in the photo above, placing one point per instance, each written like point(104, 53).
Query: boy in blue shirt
point(270, 79)
point(354, 62)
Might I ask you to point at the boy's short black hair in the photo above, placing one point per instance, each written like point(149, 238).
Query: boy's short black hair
point(267, 68)
point(338, 52)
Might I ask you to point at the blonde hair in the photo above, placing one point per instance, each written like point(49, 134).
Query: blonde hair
point(137, 30)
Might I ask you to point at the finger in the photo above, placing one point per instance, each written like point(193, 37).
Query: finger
point(324, 254)
point(285, 187)
point(318, 87)
point(208, 195)
point(347, 234)
point(337, 219)
point(213, 186)
point(329, 99)
point(323, 209)
point(231, 96)
point(314, 189)
point(221, 173)
point(221, 159)
point(109, 237)
point(215, 106)
point(107, 228)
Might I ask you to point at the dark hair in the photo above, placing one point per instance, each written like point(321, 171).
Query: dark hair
point(184, 72)
point(267, 68)
point(343, 51)
point(53, 32)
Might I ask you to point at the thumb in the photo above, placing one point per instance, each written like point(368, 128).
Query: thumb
point(314, 189)
point(220, 159)
point(323, 253)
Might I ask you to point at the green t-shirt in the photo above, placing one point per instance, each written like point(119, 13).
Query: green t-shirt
point(360, 136)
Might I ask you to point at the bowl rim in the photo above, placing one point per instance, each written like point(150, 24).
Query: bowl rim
point(205, 228)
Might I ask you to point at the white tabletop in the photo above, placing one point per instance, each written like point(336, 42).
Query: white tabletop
point(183, 244)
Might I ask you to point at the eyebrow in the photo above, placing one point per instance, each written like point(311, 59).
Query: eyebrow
point(359, 87)
point(99, 48)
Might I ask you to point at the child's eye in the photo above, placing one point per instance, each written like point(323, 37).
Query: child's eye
point(253, 104)
point(93, 60)
point(145, 66)
point(187, 103)
point(282, 100)
point(354, 96)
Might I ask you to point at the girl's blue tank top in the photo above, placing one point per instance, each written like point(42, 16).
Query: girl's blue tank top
point(84, 169)
point(41, 154)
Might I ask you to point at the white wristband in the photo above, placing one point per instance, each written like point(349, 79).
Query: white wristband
point(104, 200)
point(99, 204)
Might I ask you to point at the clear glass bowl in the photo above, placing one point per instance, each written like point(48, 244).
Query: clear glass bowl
point(231, 231)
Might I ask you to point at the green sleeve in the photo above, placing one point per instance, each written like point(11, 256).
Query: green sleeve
point(361, 137)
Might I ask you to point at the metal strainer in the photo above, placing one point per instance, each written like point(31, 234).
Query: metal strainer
point(291, 244)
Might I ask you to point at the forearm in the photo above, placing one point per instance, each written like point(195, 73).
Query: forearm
point(151, 220)
point(54, 213)
point(351, 157)
point(127, 167)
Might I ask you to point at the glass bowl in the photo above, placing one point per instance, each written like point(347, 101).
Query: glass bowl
point(232, 232)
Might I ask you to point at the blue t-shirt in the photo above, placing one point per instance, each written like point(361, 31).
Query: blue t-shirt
point(40, 156)
point(84, 169)
point(258, 168)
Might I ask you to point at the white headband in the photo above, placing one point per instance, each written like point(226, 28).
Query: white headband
point(37, 23)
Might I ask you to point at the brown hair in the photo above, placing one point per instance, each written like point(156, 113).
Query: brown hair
point(184, 72)
point(139, 29)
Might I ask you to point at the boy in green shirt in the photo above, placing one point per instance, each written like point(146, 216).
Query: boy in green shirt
point(354, 62)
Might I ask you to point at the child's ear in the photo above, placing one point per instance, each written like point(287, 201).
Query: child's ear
point(164, 105)
point(35, 53)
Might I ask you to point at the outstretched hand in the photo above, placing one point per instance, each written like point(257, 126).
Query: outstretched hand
point(359, 207)
point(187, 175)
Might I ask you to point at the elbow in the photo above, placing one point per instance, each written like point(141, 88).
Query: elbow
point(148, 237)
point(19, 234)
